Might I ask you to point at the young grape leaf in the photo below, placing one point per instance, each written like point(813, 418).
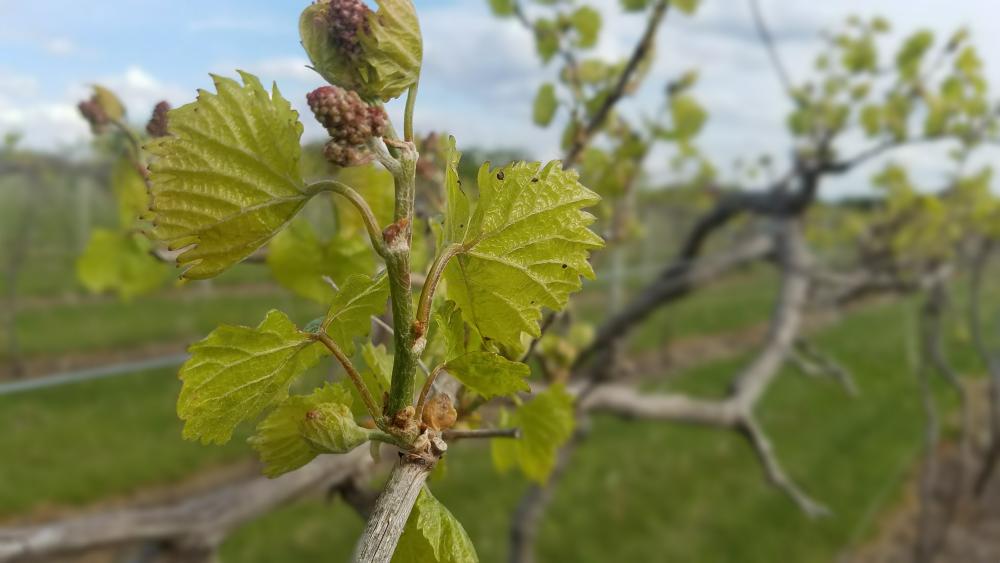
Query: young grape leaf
point(449, 338)
point(376, 375)
point(502, 8)
point(587, 22)
point(109, 102)
point(489, 374)
point(546, 422)
point(227, 177)
point(523, 246)
point(393, 47)
point(236, 372)
point(350, 314)
point(688, 115)
point(545, 105)
point(377, 187)
point(386, 59)
point(687, 6)
point(119, 262)
point(433, 535)
point(279, 439)
point(300, 261)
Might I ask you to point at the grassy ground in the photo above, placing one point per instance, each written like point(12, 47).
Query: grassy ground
point(115, 325)
point(660, 505)
point(656, 492)
point(74, 444)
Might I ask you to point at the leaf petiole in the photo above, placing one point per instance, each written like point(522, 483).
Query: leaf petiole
point(353, 374)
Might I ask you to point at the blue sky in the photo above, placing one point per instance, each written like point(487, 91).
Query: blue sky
point(480, 74)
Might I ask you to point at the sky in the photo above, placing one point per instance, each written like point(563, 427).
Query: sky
point(480, 74)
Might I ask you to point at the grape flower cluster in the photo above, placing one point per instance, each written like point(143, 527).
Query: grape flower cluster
point(350, 122)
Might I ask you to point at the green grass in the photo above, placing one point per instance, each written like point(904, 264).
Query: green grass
point(664, 492)
point(75, 444)
point(109, 325)
point(638, 492)
point(738, 302)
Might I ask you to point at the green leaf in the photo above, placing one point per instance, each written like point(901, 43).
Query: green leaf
point(687, 6)
point(130, 193)
point(377, 187)
point(871, 120)
point(393, 48)
point(300, 261)
point(433, 535)
point(119, 262)
point(911, 54)
point(688, 115)
point(861, 55)
point(502, 8)
point(546, 39)
point(237, 372)
point(280, 439)
point(634, 5)
point(350, 314)
point(226, 179)
point(587, 22)
point(524, 246)
point(489, 374)
point(330, 428)
point(545, 422)
point(545, 105)
point(109, 102)
point(451, 329)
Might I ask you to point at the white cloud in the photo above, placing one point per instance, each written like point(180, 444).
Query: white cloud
point(284, 68)
point(56, 122)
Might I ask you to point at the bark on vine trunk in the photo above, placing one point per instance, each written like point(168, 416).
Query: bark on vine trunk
point(384, 528)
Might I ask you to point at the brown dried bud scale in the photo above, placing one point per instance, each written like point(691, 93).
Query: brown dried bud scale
point(95, 115)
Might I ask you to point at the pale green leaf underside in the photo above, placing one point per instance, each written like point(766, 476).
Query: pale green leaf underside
point(489, 374)
point(237, 372)
point(545, 422)
point(227, 177)
point(524, 246)
point(350, 314)
point(279, 439)
point(433, 535)
point(451, 337)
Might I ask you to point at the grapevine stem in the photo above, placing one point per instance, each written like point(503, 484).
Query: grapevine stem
point(411, 102)
point(352, 372)
point(482, 433)
point(430, 284)
point(358, 201)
